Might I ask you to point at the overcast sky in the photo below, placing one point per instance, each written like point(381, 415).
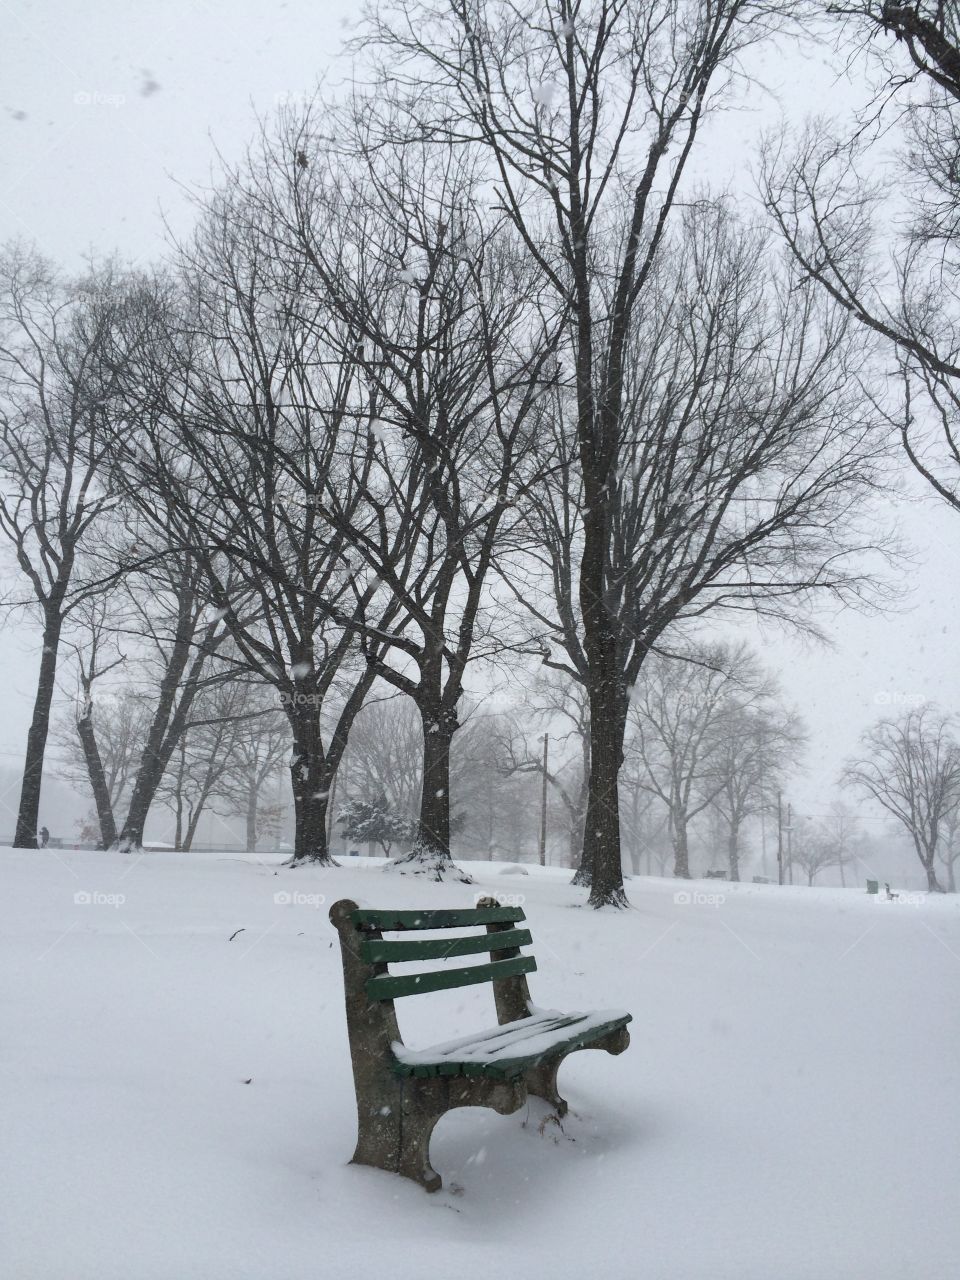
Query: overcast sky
point(107, 108)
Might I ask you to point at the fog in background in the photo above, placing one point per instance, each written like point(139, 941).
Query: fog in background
point(107, 113)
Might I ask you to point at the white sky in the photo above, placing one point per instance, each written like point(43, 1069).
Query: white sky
point(106, 107)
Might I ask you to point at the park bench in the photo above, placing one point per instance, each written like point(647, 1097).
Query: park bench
point(402, 1093)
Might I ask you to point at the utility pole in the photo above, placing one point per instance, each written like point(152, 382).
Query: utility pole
point(790, 842)
point(543, 804)
point(779, 838)
point(763, 803)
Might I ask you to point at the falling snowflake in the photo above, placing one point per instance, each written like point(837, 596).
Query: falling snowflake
point(544, 95)
point(300, 669)
point(408, 275)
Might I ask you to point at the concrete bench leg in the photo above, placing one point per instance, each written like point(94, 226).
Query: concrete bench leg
point(541, 1081)
point(425, 1101)
point(417, 1128)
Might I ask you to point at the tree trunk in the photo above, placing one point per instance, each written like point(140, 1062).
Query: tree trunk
point(166, 729)
point(584, 872)
point(311, 786)
point(98, 780)
point(192, 824)
point(951, 877)
point(607, 725)
point(575, 847)
point(634, 843)
point(430, 854)
point(681, 848)
point(251, 820)
point(581, 850)
point(28, 814)
point(933, 884)
point(580, 859)
point(733, 849)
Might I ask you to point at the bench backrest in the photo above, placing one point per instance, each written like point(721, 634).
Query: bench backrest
point(500, 938)
point(370, 988)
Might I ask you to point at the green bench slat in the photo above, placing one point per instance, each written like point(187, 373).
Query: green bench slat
point(378, 951)
point(507, 1068)
point(389, 921)
point(386, 986)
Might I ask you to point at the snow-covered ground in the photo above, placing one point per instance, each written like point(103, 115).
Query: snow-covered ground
point(176, 1105)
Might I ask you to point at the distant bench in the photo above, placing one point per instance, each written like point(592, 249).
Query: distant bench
point(402, 1093)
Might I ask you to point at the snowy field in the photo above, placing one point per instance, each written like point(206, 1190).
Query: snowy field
point(176, 1105)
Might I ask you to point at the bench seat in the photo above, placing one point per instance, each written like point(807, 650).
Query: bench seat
point(508, 1051)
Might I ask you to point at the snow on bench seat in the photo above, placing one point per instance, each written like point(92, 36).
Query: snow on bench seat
point(507, 1051)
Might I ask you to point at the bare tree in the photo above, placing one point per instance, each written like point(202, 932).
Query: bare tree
point(743, 456)
point(589, 115)
point(644, 819)
point(384, 755)
point(677, 719)
point(152, 615)
point(441, 314)
point(896, 275)
point(95, 658)
point(120, 719)
point(168, 610)
point(257, 755)
point(229, 747)
point(494, 813)
point(559, 704)
point(911, 766)
point(245, 420)
point(842, 829)
point(382, 769)
point(759, 741)
point(54, 487)
point(927, 30)
point(812, 848)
